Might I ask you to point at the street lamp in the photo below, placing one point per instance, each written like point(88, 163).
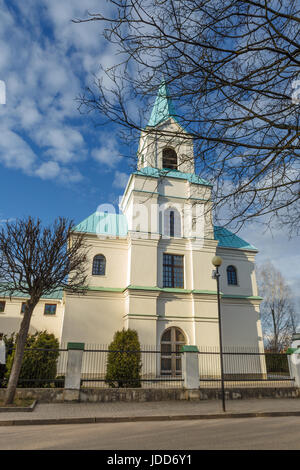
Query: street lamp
point(217, 261)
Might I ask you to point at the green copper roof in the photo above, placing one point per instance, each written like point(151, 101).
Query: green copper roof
point(158, 173)
point(163, 107)
point(115, 225)
point(228, 239)
point(56, 294)
point(101, 223)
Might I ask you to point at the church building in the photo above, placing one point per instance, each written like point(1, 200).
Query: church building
point(150, 262)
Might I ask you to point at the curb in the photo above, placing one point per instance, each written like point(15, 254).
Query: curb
point(133, 419)
point(18, 409)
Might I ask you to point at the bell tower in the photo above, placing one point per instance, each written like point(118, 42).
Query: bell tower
point(165, 198)
point(164, 143)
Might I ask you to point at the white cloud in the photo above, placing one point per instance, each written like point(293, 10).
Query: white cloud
point(83, 36)
point(120, 179)
point(5, 54)
point(15, 152)
point(28, 113)
point(42, 82)
point(48, 170)
point(43, 78)
point(63, 145)
point(48, 73)
point(69, 175)
point(108, 154)
point(52, 170)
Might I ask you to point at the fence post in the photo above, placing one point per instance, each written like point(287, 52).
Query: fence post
point(190, 367)
point(294, 364)
point(73, 375)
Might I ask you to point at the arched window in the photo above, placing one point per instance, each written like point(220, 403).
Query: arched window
point(171, 342)
point(231, 275)
point(171, 222)
point(99, 263)
point(169, 159)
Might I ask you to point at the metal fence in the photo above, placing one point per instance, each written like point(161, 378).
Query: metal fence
point(94, 368)
point(41, 368)
point(243, 367)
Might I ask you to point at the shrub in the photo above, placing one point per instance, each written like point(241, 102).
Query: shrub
point(277, 362)
point(9, 345)
point(124, 360)
point(59, 381)
point(38, 366)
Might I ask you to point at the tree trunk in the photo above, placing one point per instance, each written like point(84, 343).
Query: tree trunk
point(275, 340)
point(18, 358)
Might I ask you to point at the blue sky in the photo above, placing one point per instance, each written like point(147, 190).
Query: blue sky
point(53, 160)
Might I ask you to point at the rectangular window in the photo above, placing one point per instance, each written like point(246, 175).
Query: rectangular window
point(173, 271)
point(50, 309)
point(23, 308)
point(2, 306)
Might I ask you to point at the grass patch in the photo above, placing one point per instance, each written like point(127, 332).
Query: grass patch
point(18, 402)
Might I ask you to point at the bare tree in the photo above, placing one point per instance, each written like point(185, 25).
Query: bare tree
point(232, 68)
point(36, 261)
point(277, 309)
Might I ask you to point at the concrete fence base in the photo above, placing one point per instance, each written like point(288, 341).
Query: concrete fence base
point(100, 395)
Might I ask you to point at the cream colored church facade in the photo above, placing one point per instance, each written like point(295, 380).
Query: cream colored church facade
point(150, 264)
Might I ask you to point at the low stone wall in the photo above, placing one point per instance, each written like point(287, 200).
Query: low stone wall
point(142, 395)
point(43, 395)
point(97, 395)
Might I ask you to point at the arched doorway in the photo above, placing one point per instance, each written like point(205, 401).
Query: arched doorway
point(170, 345)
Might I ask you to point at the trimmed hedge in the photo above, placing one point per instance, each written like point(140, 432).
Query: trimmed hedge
point(124, 366)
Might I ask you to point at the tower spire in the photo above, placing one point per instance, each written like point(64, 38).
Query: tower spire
point(163, 107)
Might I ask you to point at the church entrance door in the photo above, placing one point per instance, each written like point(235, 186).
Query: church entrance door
point(171, 342)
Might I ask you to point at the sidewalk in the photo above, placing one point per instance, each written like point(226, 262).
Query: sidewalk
point(63, 413)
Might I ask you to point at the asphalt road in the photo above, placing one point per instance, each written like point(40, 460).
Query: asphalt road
point(250, 433)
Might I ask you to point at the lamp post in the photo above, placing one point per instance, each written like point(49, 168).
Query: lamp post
point(217, 261)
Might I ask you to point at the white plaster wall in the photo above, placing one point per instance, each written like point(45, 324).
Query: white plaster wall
point(93, 318)
point(146, 328)
point(116, 254)
point(169, 186)
point(10, 319)
point(244, 263)
point(139, 302)
point(178, 305)
point(241, 324)
point(143, 267)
